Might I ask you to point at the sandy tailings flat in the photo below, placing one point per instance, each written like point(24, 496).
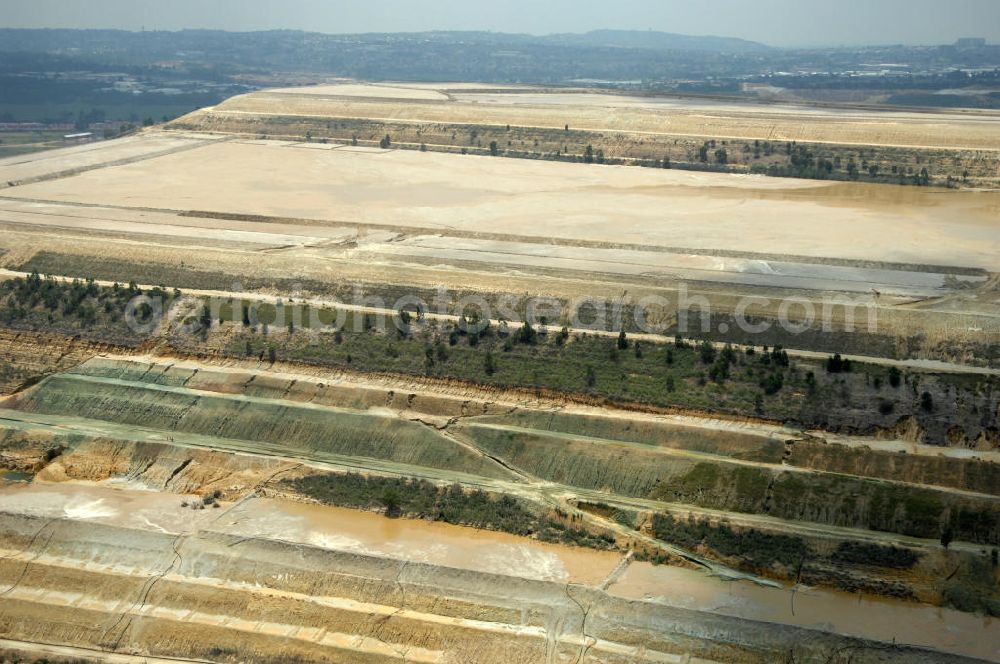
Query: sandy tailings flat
point(93, 155)
point(537, 107)
point(545, 200)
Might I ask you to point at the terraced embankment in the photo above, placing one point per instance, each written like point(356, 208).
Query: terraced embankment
point(653, 131)
point(755, 487)
point(237, 432)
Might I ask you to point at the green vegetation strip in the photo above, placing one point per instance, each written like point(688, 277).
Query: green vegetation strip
point(767, 384)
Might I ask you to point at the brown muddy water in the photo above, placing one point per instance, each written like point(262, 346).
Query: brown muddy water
point(421, 541)
point(105, 503)
point(885, 620)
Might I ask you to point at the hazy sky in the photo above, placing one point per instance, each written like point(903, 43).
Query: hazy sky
point(777, 22)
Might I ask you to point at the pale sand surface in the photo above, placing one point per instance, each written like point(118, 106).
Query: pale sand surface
point(395, 90)
point(387, 91)
point(88, 155)
point(488, 93)
point(544, 199)
point(669, 116)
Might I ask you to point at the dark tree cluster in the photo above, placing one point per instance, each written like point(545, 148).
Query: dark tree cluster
point(838, 364)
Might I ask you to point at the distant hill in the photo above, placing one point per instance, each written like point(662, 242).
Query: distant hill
point(61, 40)
point(663, 41)
point(630, 39)
point(28, 57)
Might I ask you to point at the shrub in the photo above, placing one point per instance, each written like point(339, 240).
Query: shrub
point(895, 377)
point(622, 340)
point(706, 351)
point(772, 383)
point(861, 553)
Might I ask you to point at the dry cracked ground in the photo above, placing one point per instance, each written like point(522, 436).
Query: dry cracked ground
point(239, 482)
